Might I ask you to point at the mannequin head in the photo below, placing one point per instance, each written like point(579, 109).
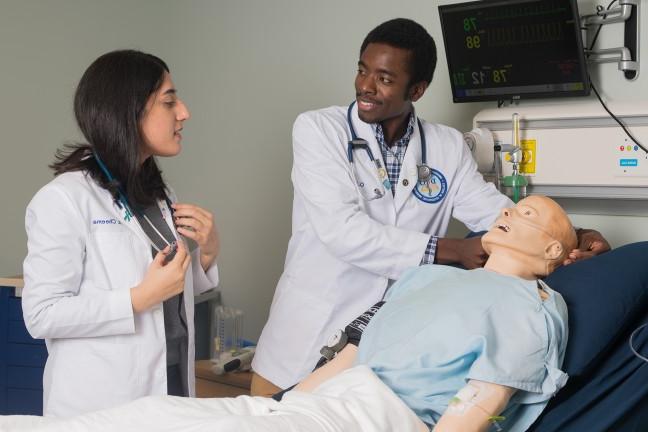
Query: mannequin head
point(530, 239)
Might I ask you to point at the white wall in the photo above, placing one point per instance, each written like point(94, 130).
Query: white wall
point(44, 48)
point(245, 68)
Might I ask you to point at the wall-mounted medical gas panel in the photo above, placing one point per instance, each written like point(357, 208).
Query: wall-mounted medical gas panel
point(573, 150)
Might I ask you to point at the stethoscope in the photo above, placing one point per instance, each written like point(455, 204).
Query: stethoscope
point(424, 172)
point(122, 202)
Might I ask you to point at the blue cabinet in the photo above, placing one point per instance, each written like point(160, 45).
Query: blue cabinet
point(22, 360)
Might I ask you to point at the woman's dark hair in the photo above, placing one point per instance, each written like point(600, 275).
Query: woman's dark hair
point(108, 105)
point(410, 35)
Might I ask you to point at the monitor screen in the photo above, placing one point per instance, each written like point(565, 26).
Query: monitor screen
point(514, 49)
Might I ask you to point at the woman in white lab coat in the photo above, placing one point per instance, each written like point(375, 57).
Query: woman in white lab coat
point(109, 283)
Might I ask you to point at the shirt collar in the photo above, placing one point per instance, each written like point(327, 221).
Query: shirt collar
point(400, 143)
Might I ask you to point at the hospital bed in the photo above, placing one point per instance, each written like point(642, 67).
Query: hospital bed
point(607, 297)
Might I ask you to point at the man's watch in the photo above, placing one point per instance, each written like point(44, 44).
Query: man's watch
point(334, 344)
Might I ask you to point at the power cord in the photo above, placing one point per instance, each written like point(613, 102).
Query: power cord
point(599, 8)
point(625, 129)
point(634, 351)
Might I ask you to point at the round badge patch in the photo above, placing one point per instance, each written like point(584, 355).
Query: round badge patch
point(433, 191)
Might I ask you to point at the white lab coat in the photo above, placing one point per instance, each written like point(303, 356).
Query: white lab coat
point(82, 260)
point(344, 250)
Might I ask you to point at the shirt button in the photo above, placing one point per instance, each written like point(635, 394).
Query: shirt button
point(405, 182)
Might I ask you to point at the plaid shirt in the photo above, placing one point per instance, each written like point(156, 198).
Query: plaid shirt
point(393, 157)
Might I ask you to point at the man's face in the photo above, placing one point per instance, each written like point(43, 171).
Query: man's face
point(382, 83)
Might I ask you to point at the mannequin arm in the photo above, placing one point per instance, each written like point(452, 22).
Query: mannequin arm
point(342, 361)
point(473, 407)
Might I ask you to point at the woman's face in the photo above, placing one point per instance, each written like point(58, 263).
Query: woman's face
point(162, 122)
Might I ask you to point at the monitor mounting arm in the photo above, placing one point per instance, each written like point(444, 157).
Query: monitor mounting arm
point(627, 56)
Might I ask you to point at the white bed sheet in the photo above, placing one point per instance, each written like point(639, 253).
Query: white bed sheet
point(355, 400)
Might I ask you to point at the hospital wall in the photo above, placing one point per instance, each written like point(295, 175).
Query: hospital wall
point(246, 69)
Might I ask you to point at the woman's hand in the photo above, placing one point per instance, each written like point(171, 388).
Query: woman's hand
point(162, 281)
point(198, 224)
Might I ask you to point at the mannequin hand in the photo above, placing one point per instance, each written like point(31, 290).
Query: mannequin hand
point(590, 243)
point(198, 224)
point(467, 252)
point(162, 281)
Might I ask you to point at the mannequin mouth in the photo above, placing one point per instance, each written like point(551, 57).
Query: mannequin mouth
point(503, 227)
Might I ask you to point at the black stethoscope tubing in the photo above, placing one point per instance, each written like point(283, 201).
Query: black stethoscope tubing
point(424, 171)
point(123, 202)
point(354, 137)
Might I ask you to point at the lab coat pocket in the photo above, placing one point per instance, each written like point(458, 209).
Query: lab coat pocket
point(113, 255)
point(310, 315)
point(89, 375)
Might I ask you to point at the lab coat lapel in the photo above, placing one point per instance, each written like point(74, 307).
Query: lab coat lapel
point(104, 196)
point(409, 169)
point(132, 225)
point(167, 216)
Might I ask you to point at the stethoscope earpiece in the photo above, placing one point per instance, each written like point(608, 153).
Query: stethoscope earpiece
point(358, 143)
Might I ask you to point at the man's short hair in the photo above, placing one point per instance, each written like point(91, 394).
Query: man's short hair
point(410, 35)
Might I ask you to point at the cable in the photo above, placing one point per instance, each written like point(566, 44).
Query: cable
point(599, 8)
point(625, 129)
point(634, 351)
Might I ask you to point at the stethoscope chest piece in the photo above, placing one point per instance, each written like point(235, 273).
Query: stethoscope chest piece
point(424, 173)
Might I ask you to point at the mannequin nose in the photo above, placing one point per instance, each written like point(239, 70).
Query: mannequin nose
point(506, 212)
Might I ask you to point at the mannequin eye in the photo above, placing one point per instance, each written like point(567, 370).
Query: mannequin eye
point(526, 211)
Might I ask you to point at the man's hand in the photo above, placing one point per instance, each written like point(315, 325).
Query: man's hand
point(590, 243)
point(467, 252)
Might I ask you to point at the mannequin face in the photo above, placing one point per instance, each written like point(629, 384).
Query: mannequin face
point(535, 234)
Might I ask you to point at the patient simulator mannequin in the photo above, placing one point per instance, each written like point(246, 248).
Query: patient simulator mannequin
point(448, 349)
point(456, 345)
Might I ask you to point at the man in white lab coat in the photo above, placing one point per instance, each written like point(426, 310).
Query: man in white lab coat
point(375, 188)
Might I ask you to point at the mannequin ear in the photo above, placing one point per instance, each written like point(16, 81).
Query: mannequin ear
point(553, 250)
point(417, 90)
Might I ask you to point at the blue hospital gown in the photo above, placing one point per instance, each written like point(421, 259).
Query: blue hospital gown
point(441, 326)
